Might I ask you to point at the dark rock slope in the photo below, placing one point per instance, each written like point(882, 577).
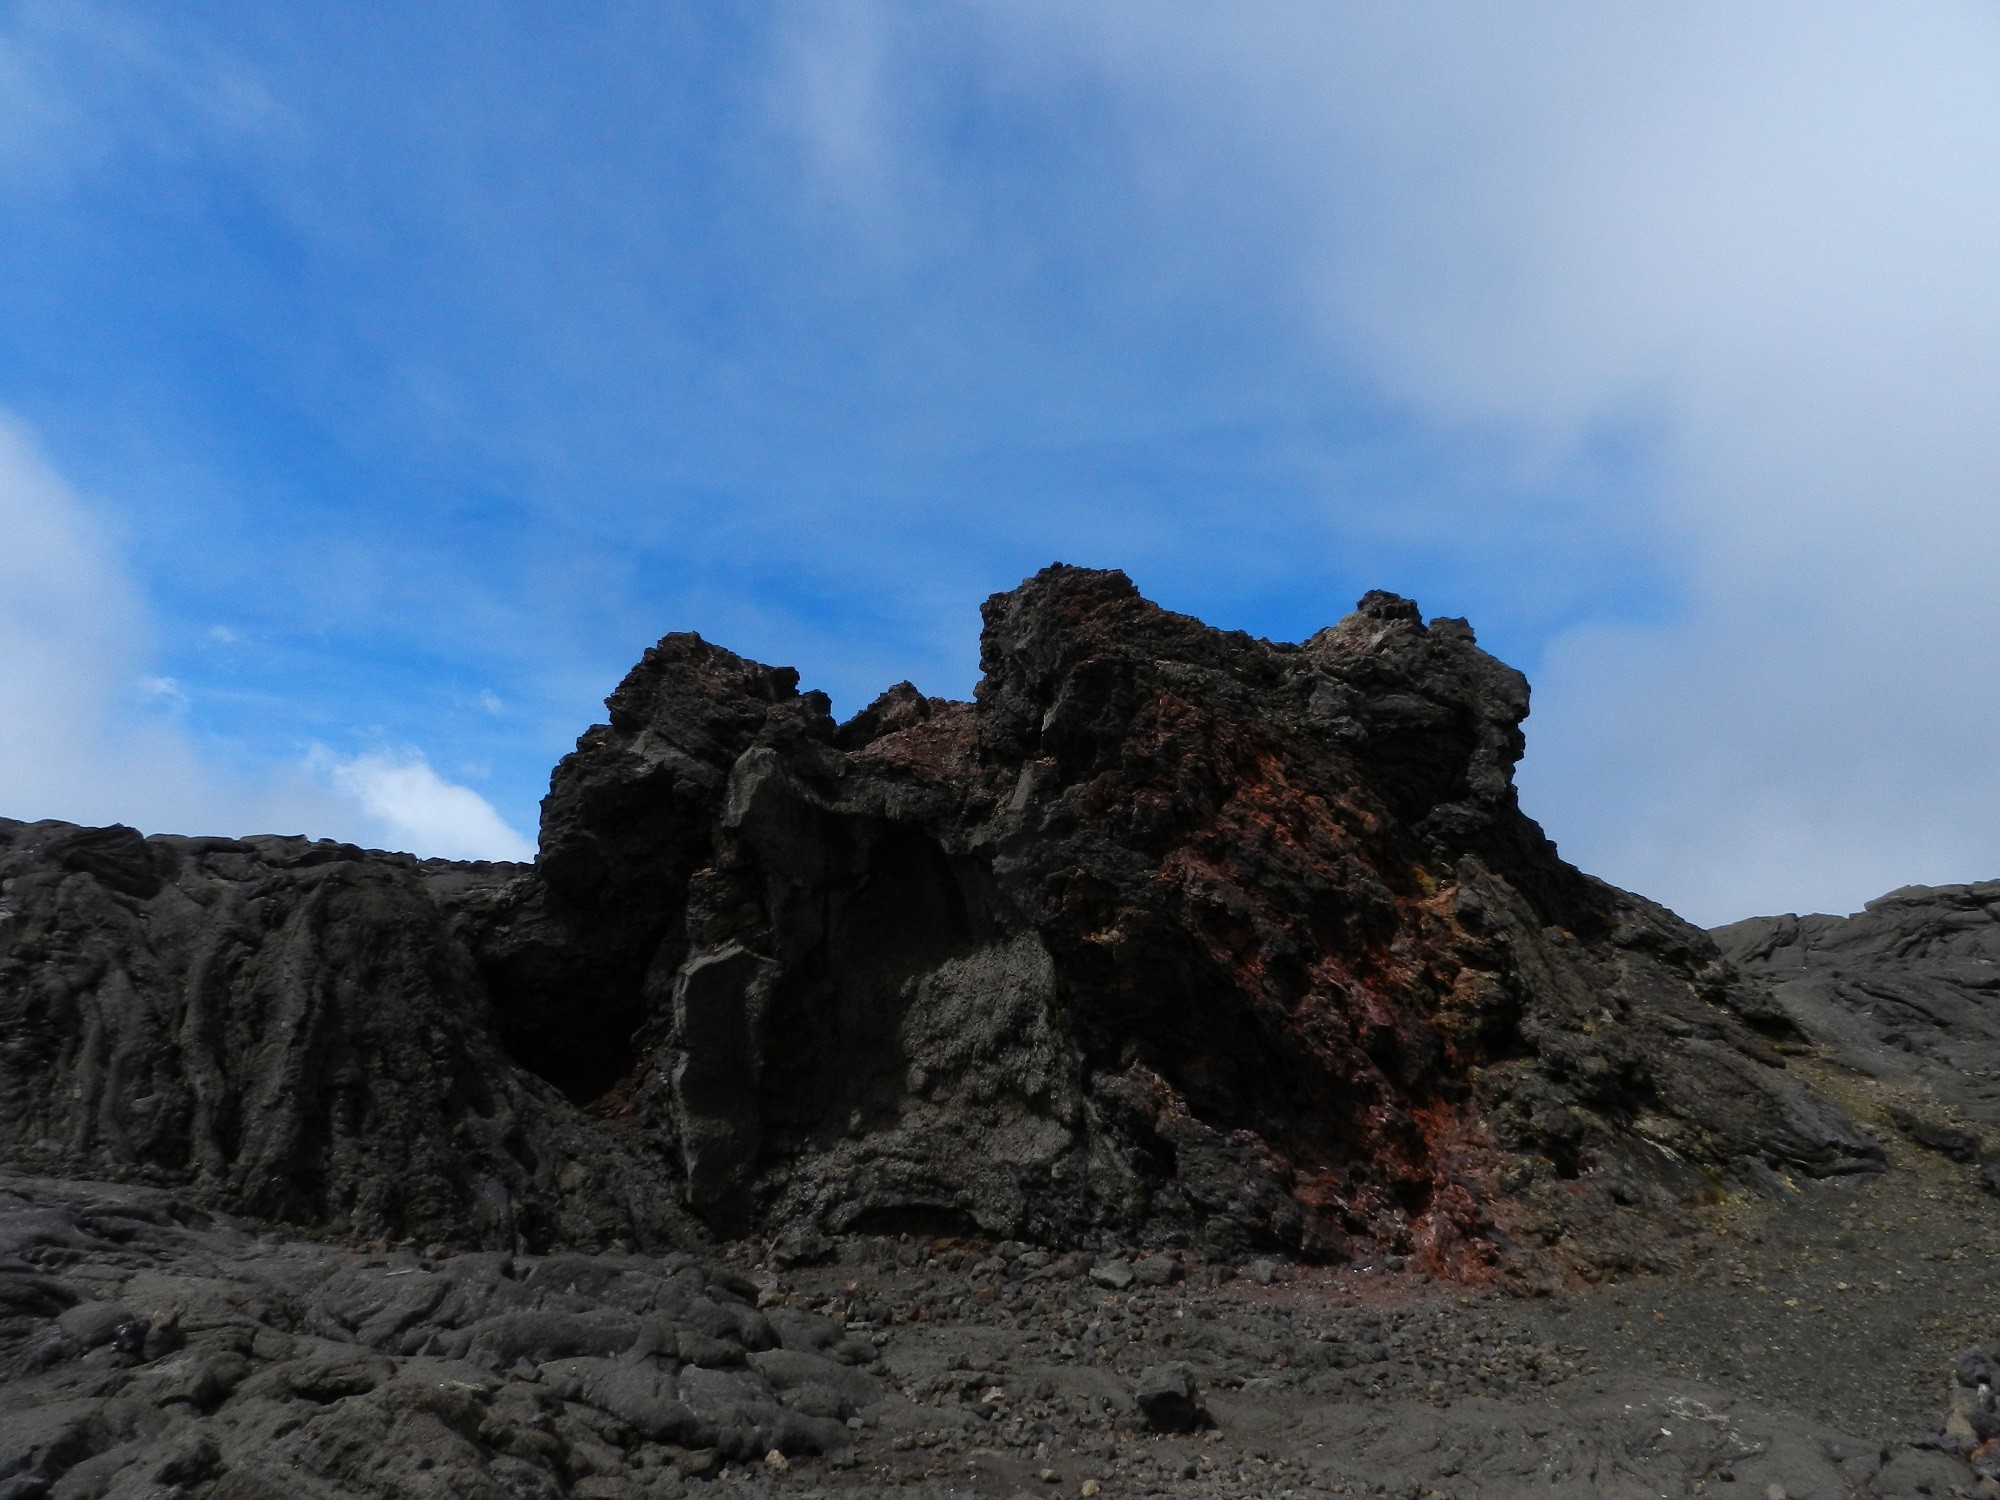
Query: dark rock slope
point(1171, 933)
point(1905, 992)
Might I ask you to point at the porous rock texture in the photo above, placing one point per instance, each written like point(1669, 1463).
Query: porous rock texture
point(149, 1349)
point(1171, 935)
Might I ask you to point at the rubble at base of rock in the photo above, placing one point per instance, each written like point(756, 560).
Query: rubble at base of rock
point(153, 1350)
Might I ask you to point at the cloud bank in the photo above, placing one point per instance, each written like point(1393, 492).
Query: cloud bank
point(1658, 338)
point(1764, 238)
point(430, 814)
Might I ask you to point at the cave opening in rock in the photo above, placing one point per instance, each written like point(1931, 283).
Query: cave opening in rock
point(585, 1050)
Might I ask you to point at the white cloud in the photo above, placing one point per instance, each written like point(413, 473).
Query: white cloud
point(1771, 232)
point(89, 735)
point(423, 811)
point(70, 633)
point(828, 77)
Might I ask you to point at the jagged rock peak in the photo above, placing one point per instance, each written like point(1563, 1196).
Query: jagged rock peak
point(1170, 931)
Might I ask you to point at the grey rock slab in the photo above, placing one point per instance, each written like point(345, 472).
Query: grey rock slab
point(538, 1337)
point(646, 1399)
point(1115, 1274)
point(1906, 991)
point(94, 1323)
point(1157, 1271)
point(789, 1369)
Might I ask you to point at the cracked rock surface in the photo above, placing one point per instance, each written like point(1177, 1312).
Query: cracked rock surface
point(149, 1348)
point(1905, 993)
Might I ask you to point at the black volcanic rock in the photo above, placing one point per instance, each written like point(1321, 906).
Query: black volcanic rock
point(1170, 932)
point(148, 1348)
point(1171, 935)
point(291, 1028)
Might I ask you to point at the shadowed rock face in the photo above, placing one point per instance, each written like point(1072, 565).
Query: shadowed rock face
point(292, 1027)
point(1172, 933)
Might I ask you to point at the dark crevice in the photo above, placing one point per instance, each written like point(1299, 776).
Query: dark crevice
point(584, 1059)
point(931, 1220)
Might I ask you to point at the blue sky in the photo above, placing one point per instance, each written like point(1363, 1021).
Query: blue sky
point(382, 380)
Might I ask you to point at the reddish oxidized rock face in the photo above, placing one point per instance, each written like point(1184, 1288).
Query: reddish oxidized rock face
point(1171, 933)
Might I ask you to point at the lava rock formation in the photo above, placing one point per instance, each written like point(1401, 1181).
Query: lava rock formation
point(1902, 993)
point(293, 1028)
point(1170, 935)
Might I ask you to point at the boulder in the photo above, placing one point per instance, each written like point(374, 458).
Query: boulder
point(1167, 1398)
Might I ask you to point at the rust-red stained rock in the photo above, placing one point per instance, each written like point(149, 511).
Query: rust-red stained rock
point(1171, 933)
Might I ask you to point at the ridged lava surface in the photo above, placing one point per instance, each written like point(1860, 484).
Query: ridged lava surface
point(292, 1028)
point(1171, 934)
point(1905, 993)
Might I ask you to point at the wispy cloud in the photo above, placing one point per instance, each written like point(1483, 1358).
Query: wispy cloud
point(70, 634)
point(827, 78)
point(82, 81)
point(420, 809)
point(1768, 235)
point(1659, 338)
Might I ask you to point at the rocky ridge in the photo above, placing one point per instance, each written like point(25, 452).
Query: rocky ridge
point(1906, 994)
point(292, 1030)
point(1172, 936)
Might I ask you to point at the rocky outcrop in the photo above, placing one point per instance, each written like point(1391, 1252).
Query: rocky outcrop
point(1171, 934)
